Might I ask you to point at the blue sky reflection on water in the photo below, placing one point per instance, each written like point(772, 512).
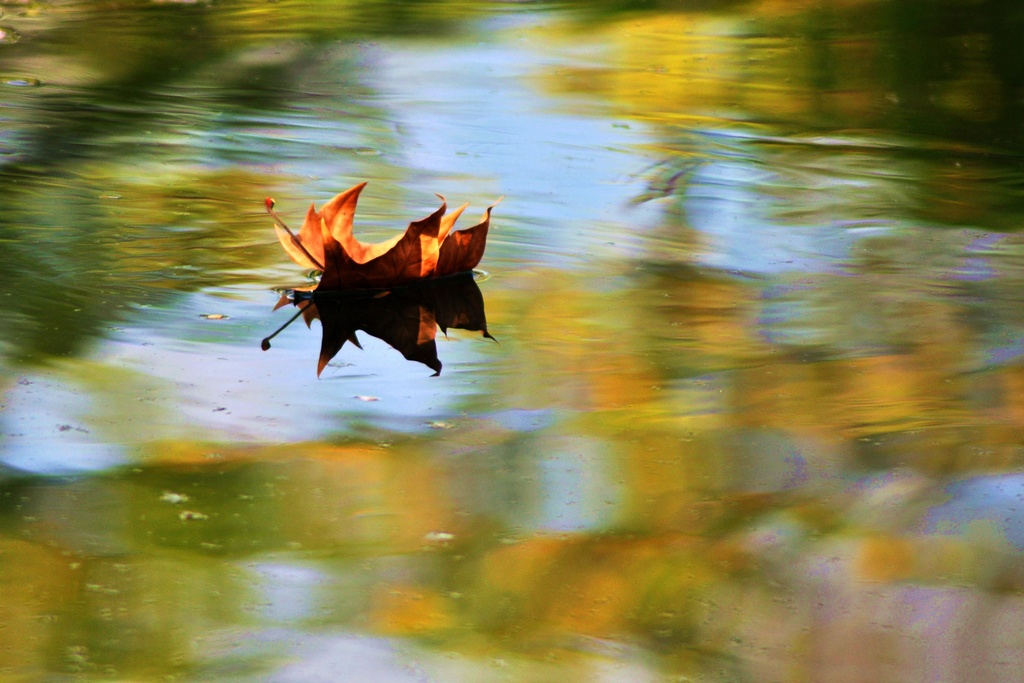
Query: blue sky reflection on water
point(227, 390)
point(475, 119)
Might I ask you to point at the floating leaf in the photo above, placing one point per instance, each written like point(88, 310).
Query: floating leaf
point(429, 248)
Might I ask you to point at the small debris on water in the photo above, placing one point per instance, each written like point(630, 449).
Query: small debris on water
point(214, 316)
point(22, 81)
point(173, 498)
point(191, 516)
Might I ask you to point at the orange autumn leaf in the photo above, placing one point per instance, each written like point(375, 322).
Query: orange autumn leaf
point(429, 248)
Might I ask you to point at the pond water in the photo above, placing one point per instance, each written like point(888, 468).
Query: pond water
point(752, 409)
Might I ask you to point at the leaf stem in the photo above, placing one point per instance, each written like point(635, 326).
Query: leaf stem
point(265, 344)
point(269, 202)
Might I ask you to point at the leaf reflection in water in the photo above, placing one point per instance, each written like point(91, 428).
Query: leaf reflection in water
point(407, 318)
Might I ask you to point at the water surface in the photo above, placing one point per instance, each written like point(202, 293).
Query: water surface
point(754, 408)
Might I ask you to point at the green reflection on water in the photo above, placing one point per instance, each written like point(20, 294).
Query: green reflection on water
point(754, 414)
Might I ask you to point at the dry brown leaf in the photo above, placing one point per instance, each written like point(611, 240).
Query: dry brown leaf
point(429, 248)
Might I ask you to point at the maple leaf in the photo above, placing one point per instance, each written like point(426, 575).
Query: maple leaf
point(406, 318)
point(429, 248)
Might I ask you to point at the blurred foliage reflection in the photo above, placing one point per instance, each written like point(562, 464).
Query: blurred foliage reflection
point(773, 433)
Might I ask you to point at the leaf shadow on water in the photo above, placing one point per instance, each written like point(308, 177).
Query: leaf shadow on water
point(407, 318)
